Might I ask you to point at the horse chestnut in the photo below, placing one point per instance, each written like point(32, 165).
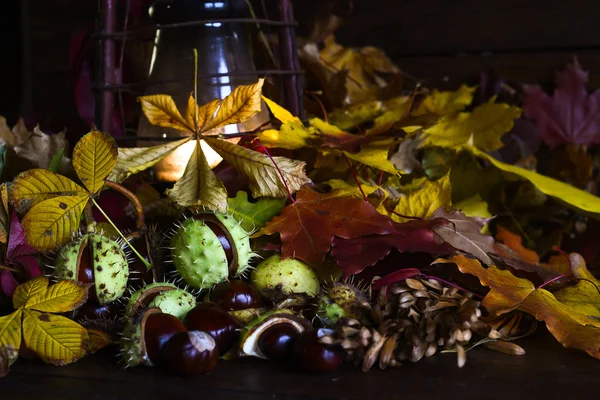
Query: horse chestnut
point(276, 341)
point(236, 295)
point(312, 356)
point(159, 329)
point(211, 318)
point(190, 353)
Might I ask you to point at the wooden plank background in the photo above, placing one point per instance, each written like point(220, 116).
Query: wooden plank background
point(439, 42)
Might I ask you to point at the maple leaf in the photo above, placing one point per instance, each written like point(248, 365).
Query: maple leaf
point(571, 115)
point(355, 254)
point(464, 233)
point(422, 203)
point(571, 324)
point(35, 324)
point(199, 187)
point(252, 216)
point(18, 259)
point(482, 128)
point(54, 203)
point(445, 102)
point(308, 226)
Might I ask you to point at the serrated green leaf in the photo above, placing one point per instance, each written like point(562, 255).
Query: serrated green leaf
point(255, 215)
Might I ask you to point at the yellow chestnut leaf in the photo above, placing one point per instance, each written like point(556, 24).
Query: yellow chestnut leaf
point(94, 157)
point(36, 185)
point(51, 223)
point(55, 339)
point(161, 110)
point(200, 116)
point(10, 330)
point(242, 104)
point(61, 297)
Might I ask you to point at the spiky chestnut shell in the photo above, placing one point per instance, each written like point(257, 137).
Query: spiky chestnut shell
point(209, 248)
point(342, 300)
point(95, 259)
point(166, 296)
point(251, 333)
point(274, 276)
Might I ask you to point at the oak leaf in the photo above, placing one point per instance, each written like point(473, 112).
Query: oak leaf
point(55, 339)
point(571, 325)
point(571, 115)
point(308, 226)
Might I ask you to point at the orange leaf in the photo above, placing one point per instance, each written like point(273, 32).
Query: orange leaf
point(570, 327)
point(514, 242)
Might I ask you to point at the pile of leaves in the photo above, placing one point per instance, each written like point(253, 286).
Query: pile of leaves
point(497, 198)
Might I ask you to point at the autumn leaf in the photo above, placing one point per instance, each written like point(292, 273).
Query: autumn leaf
point(422, 203)
point(254, 215)
point(199, 187)
point(564, 192)
point(55, 339)
point(53, 202)
point(571, 115)
point(570, 325)
point(308, 226)
point(268, 176)
point(445, 102)
point(354, 254)
point(482, 128)
point(464, 233)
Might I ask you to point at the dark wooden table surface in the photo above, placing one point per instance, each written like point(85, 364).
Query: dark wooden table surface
point(547, 371)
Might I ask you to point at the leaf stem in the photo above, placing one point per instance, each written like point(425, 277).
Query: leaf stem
point(196, 92)
point(139, 209)
point(353, 172)
point(142, 259)
point(316, 98)
point(8, 268)
point(263, 148)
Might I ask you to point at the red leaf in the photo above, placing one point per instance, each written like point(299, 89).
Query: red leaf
point(8, 283)
point(571, 115)
point(308, 226)
point(354, 254)
point(394, 277)
point(16, 241)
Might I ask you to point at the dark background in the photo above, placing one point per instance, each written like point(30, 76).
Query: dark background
point(439, 42)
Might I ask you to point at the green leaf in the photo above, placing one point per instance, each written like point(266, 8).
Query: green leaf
point(56, 160)
point(563, 191)
point(255, 215)
point(262, 171)
point(199, 187)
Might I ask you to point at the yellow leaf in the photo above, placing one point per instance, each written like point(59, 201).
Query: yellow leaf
point(63, 296)
point(446, 102)
point(563, 191)
point(161, 110)
point(424, 202)
point(33, 288)
point(136, 159)
point(242, 104)
point(483, 128)
point(51, 223)
point(388, 119)
point(508, 292)
point(373, 154)
point(94, 156)
point(265, 179)
point(280, 113)
point(204, 113)
point(199, 187)
point(56, 340)
point(36, 185)
point(10, 329)
point(345, 189)
point(4, 227)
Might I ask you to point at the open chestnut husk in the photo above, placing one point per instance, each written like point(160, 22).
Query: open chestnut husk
point(211, 318)
point(190, 353)
point(276, 341)
point(312, 356)
point(145, 334)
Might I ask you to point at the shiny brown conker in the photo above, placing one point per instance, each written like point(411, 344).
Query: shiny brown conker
point(236, 295)
point(159, 328)
point(190, 353)
point(312, 356)
point(211, 318)
point(276, 341)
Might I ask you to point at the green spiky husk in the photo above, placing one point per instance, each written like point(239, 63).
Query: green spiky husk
point(290, 276)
